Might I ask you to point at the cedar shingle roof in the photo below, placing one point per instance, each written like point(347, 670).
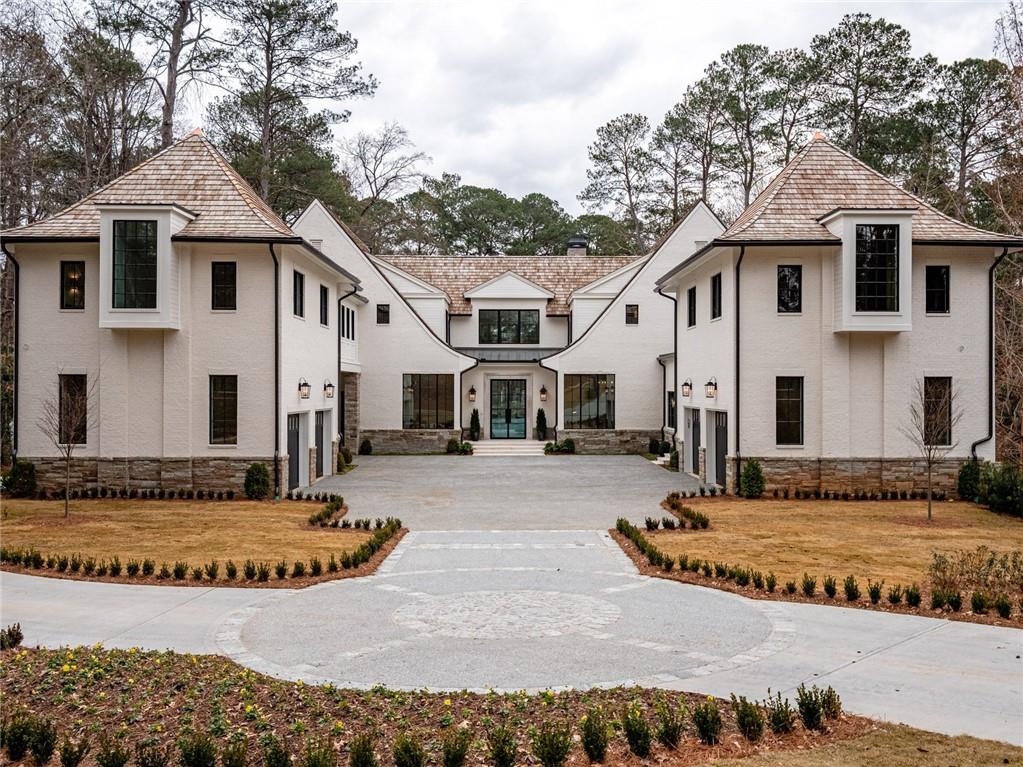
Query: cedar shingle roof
point(559, 274)
point(823, 178)
point(190, 173)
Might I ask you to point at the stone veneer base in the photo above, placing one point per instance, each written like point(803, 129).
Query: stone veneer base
point(409, 440)
point(853, 474)
point(609, 441)
point(196, 473)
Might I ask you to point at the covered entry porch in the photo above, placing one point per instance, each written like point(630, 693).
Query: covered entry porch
point(507, 396)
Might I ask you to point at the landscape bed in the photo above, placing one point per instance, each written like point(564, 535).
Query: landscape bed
point(187, 542)
point(155, 697)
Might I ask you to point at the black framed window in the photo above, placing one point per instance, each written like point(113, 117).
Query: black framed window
point(789, 410)
point(428, 401)
point(937, 292)
point(938, 410)
point(590, 401)
point(672, 416)
point(877, 267)
point(790, 289)
point(691, 307)
point(632, 314)
point(715, 296)
point(509, 326)
point(324, 305)
point(134, 265)
point(223, 410)
point(225, 285)
point(73, 397)
point(383, 314)
point(72, 284)
point(298, 294)
point(348, 323)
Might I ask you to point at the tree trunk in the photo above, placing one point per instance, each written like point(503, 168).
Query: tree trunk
point(67, 485)
point(929, 517)
point(170, 92)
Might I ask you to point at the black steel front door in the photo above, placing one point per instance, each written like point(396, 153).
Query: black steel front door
point(508, 408)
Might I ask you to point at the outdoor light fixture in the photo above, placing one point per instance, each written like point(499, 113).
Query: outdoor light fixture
point(304, 388)
point(328, 389)
point(543, 393)
point(687, 388)
point(712, 388)
point(472, 394)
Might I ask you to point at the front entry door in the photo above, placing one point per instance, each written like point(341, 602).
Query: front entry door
point(720, 446)
point(508, 408)
point(293, 451)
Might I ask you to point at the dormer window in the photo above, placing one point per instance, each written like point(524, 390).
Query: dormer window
point(877, 267)
point(134, 285)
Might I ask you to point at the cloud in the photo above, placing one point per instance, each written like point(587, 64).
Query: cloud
point(509, 94)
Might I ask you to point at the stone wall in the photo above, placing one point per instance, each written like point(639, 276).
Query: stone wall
point(852, 474)
point(609, 441)
point(198, 473)
point(409, 440)
point(350, 387)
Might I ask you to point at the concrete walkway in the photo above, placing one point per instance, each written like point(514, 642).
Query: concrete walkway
point(483, 608)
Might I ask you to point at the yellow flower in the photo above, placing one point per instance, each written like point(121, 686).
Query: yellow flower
point(102, 696)
point(248, 708)
point(447, 701)
point(159, 728)
point(339, 724)
point(65, 668)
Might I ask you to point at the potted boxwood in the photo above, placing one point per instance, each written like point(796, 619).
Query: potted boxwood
point(541, 425)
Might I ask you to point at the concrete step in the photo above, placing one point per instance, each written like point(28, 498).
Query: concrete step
point(511, 447)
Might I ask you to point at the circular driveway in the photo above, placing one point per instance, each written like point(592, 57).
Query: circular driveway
point(506, 610)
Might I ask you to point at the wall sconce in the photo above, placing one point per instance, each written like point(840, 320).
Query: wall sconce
point(543, 393)
point(687, 388)
point(472, 394)
point(712, 388)
point(304, 388)
point(328, 389)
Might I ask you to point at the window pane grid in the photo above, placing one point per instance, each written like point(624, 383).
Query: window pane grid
point(632, 314)
point(590, 401)
point(691, 307)
point(938, 410)
point(509, 326)
point(789, 410)
point(383, 314)
point(134, 265)
point(223, 410)
point(428, 401)
point(877, 268)
point(225, 285)
point(73, 398)
point(790, 289)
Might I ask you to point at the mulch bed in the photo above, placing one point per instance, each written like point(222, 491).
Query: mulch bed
point(781, 595)
point(155, 696)
point(367, 568)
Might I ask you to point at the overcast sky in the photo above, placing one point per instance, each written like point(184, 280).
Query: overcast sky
point(509, 94)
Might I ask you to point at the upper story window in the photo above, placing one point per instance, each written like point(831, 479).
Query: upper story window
point(134, 265)
point(691, 307)
point(877, 267)
point(383, 314)
point(298, 294)
point(324, 305)
point(225, 285)
point(715, 296)
point(937, 292)
point(72, 284)
point(347, 323)
point(790, 289)
point(509, 326)
point(632, 314)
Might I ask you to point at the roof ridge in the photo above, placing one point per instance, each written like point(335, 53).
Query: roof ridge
point(905, 191)
point(771, 190)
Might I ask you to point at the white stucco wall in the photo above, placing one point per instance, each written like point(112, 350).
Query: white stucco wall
point(465, 329)
point(631, 351)
point(480, 377)
point(405, 345)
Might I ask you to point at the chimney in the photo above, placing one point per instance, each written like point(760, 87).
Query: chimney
point(578, 245)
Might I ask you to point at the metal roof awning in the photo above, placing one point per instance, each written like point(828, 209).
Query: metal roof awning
point(490, 354)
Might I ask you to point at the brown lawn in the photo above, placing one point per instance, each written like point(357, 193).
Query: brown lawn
point(166, 531)
point(891, 746)
point(880, 540)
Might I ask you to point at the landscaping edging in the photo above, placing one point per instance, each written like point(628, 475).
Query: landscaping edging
point(644, 565)
point(289, 582)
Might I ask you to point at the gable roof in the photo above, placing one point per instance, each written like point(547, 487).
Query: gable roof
point(561, 275)
point(508, 277)
point(822, 179)
point(191, 174)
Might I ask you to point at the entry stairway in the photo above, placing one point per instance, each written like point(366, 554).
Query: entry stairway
point(507, 447)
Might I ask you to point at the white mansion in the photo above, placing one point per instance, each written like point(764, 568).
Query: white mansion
point(205, 334)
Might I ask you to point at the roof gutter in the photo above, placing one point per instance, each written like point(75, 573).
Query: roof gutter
point(277, 373)
point(17, 324)
point(664, 396)
point(557, 388)
point(674, 347)
point(738, 401)
point(990, 356)
point(461, 417)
